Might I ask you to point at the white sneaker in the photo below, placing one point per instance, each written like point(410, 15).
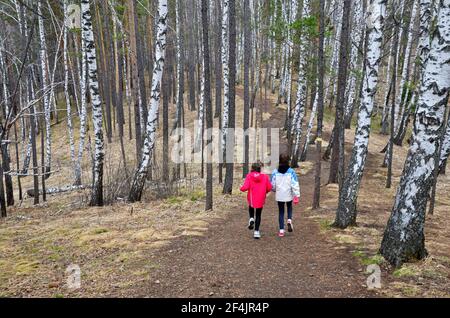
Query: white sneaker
point(290, 226)
point(251, 223)
point(257, 235)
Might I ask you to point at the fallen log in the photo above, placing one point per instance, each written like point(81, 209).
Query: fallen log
point(30, 192)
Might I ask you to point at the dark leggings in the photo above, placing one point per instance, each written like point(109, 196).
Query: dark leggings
point(251, 212)
point(281, 212)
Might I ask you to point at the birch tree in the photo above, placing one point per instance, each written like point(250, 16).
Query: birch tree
point(404, 237)
point(97, 116)
point(180, 64)
point(66, 90)
point(83, 113)
point(405, 69)
point(247, 57)
point(228, 182)
point(300, 102)
point(445, 152)
point(346, 212)
point(355, 60)
point(337, 160)
point(45, 85)
point(138, 181)
point(225, 70)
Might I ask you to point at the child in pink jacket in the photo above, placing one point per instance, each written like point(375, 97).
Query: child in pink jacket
point(257, 185)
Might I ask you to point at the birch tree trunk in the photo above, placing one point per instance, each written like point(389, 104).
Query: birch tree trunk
point(445, 152)
point(225, 69)
point(346, 212)
point(300, 102)
point(336, 17)
point(83, 114)
point(405, 70)
point(389, 71)
point(392, 96)
point(201, 112)
point(217, 62)
point(138, 181)
point(356, 60)
point(320, 105)
point(66, 92)
point(191, 57)
point(97, 117)
point(426, 15)
point(45, 85)
point(180, 64)
point(404, 237)
point(337, 159)
point(247, 57)
point(228, 182)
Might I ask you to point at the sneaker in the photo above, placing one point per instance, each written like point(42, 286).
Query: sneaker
point(281, 233)
point(251, 224)
point(257, 235)
point(290, 226)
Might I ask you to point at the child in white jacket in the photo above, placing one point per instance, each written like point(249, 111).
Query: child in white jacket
point(285, 183)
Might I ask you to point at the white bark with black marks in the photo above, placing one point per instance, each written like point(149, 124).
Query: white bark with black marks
point(300, 102)
point(97, 116)
point(4, 80)
point(346, 213)
point(426, 15)
point(401, 96)
point(226, 84)
point(83, 113)
point(66, 91)
point(180, 65)
point(356, 35)
point(45, 84)
point(404, 237)
point(138, 182)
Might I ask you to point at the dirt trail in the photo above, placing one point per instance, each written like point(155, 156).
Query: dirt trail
point(228, 262)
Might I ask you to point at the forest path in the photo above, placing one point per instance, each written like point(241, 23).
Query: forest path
point(228, 262)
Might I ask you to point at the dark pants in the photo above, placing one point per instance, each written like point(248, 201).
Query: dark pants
point(251, 212)
point(281, 212)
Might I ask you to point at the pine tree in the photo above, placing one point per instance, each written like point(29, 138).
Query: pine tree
point(208, 106)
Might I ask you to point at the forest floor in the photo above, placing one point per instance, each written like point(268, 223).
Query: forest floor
point(170, 247)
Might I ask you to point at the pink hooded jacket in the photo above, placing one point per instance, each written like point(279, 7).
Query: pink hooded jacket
point(258, 185)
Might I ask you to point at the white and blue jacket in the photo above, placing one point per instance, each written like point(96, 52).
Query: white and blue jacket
point(285, 185)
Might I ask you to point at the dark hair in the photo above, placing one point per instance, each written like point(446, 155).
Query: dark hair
point(256, 167)
point(284, 159)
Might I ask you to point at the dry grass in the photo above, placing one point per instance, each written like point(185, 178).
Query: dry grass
point(111, 244)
